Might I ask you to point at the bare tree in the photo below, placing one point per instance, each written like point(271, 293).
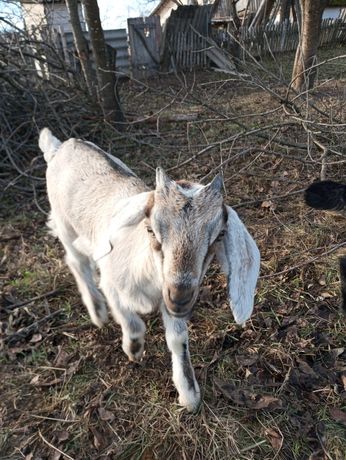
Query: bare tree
point(81, 45)
point(285, 7)
point(304, 72)
point(106, 77)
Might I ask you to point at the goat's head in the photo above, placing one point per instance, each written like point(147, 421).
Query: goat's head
point(185, 222)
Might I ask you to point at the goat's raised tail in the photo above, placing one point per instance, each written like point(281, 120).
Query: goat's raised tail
point(48, 144)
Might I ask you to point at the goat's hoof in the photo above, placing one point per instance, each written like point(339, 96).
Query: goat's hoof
point(134, 349)
point(191, 401)
point(99, 314)
point(98, 322)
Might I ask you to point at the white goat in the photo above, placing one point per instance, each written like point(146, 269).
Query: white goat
point(152, 248)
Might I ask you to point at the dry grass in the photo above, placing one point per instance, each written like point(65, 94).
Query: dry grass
point(67, 389)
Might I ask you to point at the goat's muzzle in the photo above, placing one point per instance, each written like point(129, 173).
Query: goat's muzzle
point(179, 299)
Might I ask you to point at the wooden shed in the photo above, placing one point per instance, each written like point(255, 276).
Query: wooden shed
point(49, 14)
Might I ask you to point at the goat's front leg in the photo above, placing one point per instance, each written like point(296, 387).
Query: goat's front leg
point(132, 326)
point(183, 374)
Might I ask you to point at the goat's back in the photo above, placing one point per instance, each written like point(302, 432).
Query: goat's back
point(85, 183)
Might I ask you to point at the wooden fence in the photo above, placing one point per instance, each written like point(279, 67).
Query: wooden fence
point(185, 34)
point(189, 51)
point(283, 37)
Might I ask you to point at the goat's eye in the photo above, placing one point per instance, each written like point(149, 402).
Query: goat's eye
point(150, 230)
point(221, 235)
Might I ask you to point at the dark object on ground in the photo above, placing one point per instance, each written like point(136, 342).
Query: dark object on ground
point(330, 196)
point(326, 195)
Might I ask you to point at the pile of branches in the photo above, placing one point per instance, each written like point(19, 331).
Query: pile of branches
point(38, 88)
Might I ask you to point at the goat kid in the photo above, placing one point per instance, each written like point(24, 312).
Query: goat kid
point(330, 196)
point(152, 247)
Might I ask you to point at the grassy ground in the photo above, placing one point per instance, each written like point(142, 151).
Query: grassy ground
point(274, 389)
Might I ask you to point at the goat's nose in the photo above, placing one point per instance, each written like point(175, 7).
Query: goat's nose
point(180, 295)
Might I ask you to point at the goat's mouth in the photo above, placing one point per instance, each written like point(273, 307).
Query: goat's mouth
point(180, 306)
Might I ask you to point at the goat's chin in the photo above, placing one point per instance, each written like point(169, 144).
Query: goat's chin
point(184, 314)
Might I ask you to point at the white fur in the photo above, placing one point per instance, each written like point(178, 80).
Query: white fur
point(192, 191)
point(98, 212)
point(240, 260)
point(48, 144)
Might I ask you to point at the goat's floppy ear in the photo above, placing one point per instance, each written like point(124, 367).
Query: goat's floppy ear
point(239, 258)
point(128, 212)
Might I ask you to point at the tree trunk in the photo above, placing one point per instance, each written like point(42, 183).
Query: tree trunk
point(236, 48)
point(303, 76)
point(285, 10)
point(81, 45)
point(296, 11)
point(106, 77)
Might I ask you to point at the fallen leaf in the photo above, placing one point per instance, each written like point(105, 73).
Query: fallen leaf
point(97, 442)
point(247, 373)
point(55, 455)
point(337, 351)
point(326, 295)
point(338, 415)
point(266, 402)
point(343, 379)
point(61, 358)
point(247, 360)
point(148, 454)
point(36, 338)
point(61, 435)
point(268, 204)
point(205, 294)
point(98, 439)
point(73, 367)
point(247, 398)
point(105, 415)
point(318, 455)
point(275, 438)
point(35, 380)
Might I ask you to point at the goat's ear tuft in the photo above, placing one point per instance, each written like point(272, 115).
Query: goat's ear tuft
point(214, 188)
point(216, 184)
point(162, 180)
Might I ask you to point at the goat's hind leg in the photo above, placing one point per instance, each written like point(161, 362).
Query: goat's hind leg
point(83, 271)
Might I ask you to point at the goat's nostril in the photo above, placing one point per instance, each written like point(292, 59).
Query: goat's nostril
point(180, 297)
